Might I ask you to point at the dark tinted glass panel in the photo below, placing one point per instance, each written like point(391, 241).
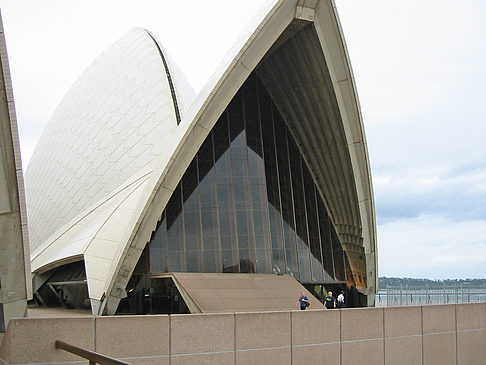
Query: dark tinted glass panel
point(158, 261)
point(304, 261)
point(237, 125)
point(174, 206)
point(325, 235)
point(205, 158)
point(298, 193)
point(175, 231)
point(313, 228)
point(285, 185)
point(221, 137)
point(189, 186)
point(270, 159)
point(291, 251)
point(192, 261)
point(338, 258)
point(229, 261)
point(247, 202)
point(252, 117)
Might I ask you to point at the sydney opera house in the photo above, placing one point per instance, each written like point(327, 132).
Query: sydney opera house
point(143, 197)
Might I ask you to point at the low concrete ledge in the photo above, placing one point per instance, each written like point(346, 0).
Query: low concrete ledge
point(126, 337)
point(439, 334)
point(31, 340)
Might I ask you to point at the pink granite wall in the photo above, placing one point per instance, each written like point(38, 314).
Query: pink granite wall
point(429, 335)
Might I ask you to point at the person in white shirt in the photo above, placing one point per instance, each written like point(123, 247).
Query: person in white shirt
point(340, 300)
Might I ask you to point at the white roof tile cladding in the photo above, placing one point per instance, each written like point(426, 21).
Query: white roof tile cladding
point(98, 234)
point(107, 127)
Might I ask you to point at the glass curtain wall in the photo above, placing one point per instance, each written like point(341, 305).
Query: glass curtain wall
point(247, 203)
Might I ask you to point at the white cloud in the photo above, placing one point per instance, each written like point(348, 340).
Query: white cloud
point(456, 193)
point(432, 247)
point(411, 56)
point(429, 181)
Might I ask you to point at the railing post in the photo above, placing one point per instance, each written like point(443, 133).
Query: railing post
point(93, 357)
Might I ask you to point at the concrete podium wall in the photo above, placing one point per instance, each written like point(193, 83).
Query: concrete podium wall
point(439, 334)
point(14, 239)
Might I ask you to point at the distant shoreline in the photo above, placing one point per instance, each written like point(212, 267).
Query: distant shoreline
point(385, 281)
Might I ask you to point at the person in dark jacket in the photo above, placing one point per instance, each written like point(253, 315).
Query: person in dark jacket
point(303, 301)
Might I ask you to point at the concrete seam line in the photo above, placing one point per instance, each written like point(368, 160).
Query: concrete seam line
point(439, 333)
point(405, 336)
point(234, 338)
point(202, 353)
point(318, 344)
point(473, 330)
point(363, 340)
point(145, 357)
point(169, 339)
point(291, 339)
point(340, 338)
point(95, 346)
point(422, 331)
point(383, 333)
point(265, 348)
point(455, 327)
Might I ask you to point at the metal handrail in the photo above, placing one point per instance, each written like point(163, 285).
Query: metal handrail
point(93, 357)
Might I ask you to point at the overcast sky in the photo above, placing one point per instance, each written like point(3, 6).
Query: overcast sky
point(420, 69)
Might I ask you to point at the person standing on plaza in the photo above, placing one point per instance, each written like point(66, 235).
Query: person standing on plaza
point(303, 302)
point(330, 301)
point(340, 300)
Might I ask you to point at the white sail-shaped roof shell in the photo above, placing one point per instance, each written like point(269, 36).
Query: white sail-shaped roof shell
point(109, 220)
point(93, 159)
point(106, 128)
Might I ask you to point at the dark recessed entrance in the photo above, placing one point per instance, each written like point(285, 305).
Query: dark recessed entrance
point(153, 296)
